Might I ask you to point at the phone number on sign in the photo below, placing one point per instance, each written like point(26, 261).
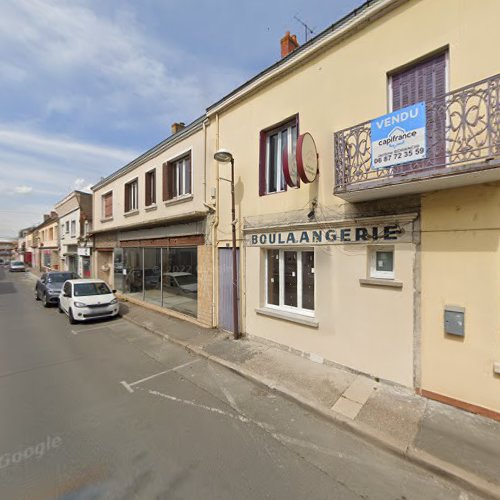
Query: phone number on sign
point(399, 155)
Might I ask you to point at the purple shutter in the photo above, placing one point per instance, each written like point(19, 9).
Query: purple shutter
point(262, 163)
point(425, 81)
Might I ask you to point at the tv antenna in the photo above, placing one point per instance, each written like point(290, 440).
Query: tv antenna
point(307, 29)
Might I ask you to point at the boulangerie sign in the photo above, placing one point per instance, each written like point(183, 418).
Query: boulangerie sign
point(390, 233)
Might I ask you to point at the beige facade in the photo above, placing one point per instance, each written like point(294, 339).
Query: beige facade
point(393, 329)
point(152, 227)
point(48, 244)
point(75, 222)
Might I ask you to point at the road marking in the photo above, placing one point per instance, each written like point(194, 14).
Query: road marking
point(129, 386)
point(76, 332)
point(129, 389)
point(241, 418)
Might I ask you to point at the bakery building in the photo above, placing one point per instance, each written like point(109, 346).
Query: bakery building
point(151, 227)
point(380, 252)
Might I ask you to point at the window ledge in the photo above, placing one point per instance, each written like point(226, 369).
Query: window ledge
point(288, 316)
point(152, 207)
point(107, 219)
point(179, 199)
point(381, 282)
point(130, 213)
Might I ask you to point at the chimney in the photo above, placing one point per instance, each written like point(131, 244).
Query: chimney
point(46, 217)
point(177, 126)
point(288, 44)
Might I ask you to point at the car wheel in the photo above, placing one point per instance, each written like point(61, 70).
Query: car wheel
point(44, 300)
point(72, 320)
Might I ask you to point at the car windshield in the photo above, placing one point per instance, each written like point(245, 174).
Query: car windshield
point(17, 263)
point(60, 277)
point(86, 289)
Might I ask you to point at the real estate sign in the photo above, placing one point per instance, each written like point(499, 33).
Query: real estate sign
point(399, 137)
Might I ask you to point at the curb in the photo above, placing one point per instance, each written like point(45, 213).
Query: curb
point(418, 457)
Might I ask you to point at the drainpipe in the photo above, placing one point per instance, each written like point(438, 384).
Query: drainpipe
point(215, 241)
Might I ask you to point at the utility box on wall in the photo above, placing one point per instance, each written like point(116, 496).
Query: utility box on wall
point(454, 320)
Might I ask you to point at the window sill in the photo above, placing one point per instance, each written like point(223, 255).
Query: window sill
point(152, 207)
point(381, 282)
point(131, 213)
point(107, 219)
point(288, 316)
point(179, 199)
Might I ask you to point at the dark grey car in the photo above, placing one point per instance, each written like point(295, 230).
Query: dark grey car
point(49, 285)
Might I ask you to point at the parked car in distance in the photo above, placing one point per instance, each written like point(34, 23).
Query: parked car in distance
point(17, 266)
point(49, 285)
point(181, 283)
point(84, 299)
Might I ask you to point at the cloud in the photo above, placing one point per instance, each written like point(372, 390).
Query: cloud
point(36, 142)
point(23, 189)
point(81, 184)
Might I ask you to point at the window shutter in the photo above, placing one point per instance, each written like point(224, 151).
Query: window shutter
point(108, 205)
point(147, 185)
point(171, 181)
point(187, 174)
point(127, 197)
point(425, 81)
point(262, 163)
point(164, 182)
point(153, 186)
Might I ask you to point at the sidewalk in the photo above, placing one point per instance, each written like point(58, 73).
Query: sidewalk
point(446, 440)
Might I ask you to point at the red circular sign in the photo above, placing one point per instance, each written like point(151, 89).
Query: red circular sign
point(289, 161)
point(307, 158)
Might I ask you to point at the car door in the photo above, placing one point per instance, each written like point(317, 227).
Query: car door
point(40, 284)
point(63, 299)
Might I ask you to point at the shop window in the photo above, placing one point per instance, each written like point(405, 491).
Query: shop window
point(382, 263)
point(150, 184)
point(177, 178)
point(107, 205)
point(118, 269)
point(152, 275)
point(273, 142)
point(290, 280)
point(132, 196)
point(133, 272)
point(180, 279)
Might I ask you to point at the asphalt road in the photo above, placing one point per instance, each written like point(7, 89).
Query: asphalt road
point(107, 410)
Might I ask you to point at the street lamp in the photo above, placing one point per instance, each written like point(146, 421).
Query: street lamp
point(225, 156)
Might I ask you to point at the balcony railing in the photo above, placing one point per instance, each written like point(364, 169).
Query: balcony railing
point(463, 132)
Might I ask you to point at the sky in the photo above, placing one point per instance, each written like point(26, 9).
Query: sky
point(86, 86)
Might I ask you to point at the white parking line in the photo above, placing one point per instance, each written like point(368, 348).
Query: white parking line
point(129, 386)
point(100, 327)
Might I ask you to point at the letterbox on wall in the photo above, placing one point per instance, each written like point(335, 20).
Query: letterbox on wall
point(454, 320)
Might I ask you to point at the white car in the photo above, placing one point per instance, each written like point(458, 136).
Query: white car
point(86, 299)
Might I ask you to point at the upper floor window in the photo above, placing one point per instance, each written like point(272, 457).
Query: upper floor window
point(67, 227)
point(107, 205)
point(273, 143)
point(73, 228)
point(177, 178)
point(132, 195)
point(150, 183)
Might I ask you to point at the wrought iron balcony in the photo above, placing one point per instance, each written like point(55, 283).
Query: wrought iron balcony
point(463, 141)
